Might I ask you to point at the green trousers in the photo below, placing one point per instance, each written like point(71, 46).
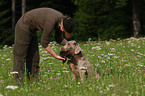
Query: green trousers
point(25, 51)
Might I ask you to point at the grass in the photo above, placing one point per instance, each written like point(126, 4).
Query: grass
point(119, 63)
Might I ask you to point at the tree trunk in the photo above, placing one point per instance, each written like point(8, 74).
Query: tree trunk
point(136, 17)
point(23, 7)
point(13, 16)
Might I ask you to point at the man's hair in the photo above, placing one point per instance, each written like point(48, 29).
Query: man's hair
point(68, 24)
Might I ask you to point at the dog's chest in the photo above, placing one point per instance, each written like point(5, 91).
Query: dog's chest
point(82, 62)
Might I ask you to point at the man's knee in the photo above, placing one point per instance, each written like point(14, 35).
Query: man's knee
point(20, 50)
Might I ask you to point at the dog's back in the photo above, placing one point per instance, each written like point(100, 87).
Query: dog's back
point(84, 64)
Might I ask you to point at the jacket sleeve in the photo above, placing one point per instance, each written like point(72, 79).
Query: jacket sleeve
point(58, 35)
point(48, 28)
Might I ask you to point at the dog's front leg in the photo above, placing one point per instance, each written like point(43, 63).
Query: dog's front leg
point(73, 76)
point(74, 71)
point(82, 74)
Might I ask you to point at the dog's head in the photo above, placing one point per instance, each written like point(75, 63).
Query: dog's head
point(72, 47)
point(64, 54)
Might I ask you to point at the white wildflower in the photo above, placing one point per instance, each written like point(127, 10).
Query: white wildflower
point(99, 56)
point(44, 52)
point(120, 43)
point(65, 85)
point(111, 85)
point(112, 49)
point(126, 65)
point(12, 87)
point(8, 59)
point(92, 55)
point(103, 61)
point(109, 54)
point(40, 46)
point(118, 38)
point(10, 47)
point(132, 38)
point(140, 65)
point(65, 71)
point(58, 73)
point(113, 95)
point(107, 43)
point(5, 46)
point(116, 57)
point(101, 91)
point(132, 50)
point(123, 60)
point(89, 39)
point(64, 68)
point(15, 72)
point(4, 55)
point(136, 92)
point(83, 68)
point(139, 56)
point(50, 63)
point(132, 44)
point(107, 88)
point(129, 41)
point(44, 55)
point(48, 58)
point(1, 95)
point(97, 48)
point(127, 91)
point(111, 67)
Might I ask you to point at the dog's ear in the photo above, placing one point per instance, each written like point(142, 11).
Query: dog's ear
point(77, 49)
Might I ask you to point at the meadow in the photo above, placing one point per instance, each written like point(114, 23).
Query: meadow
point(120, 65)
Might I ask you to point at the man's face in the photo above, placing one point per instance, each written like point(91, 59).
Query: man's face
point(68, 35)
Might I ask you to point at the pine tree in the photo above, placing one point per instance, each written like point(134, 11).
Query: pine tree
point(105, 19)
point(5, 29)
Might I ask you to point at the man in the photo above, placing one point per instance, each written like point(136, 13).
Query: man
point(26, 41)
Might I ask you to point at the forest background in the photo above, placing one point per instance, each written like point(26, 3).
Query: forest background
point(95, 19)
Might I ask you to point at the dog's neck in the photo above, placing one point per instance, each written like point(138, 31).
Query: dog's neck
point(79, 55)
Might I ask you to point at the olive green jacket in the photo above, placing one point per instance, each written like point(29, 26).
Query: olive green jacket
point(45, 20)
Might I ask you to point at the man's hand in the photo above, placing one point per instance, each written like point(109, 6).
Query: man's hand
point(49, 50)
point(59, 57)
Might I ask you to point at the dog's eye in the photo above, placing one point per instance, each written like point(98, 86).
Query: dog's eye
point(75, 43)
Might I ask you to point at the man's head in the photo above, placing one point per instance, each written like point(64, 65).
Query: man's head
point(67, 26)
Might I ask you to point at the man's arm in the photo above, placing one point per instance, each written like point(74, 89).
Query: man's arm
point(63, 42)
point(49, 50)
